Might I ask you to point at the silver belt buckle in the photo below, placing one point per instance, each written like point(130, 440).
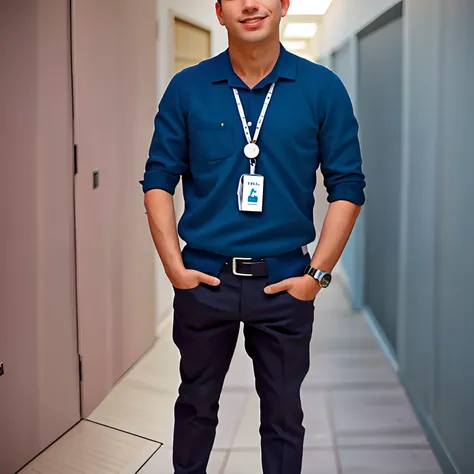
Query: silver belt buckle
point(234, 266)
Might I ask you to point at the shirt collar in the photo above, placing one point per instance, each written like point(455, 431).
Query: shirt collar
point(285, 68)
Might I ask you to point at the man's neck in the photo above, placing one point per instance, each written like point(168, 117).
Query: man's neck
point(254, 62)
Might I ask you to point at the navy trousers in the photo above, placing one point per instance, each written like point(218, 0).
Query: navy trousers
point(277, 330)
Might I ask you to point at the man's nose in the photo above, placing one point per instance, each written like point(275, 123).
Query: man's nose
point(250, 6)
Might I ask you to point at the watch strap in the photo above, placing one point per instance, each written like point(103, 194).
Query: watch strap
point(315, 273)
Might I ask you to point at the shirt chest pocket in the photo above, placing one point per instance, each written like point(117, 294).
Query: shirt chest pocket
point(211, 142)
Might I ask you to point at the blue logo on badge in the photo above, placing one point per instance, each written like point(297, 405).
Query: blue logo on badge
point(253, 198)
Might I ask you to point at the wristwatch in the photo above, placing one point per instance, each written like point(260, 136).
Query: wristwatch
point(324, 278)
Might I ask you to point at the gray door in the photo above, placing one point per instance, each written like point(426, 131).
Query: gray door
point(353, 256)
point(379, 110)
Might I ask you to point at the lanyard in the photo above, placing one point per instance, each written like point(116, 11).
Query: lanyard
point(251, 150)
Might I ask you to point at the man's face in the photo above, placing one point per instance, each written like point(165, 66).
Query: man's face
point(252, 21)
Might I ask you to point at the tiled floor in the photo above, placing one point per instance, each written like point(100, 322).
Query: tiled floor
point(357, 417)
point(93, 449)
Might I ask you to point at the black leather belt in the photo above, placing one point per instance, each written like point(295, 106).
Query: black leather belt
point(248, 267)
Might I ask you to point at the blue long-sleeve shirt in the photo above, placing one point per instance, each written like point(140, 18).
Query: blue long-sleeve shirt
point(199, 136)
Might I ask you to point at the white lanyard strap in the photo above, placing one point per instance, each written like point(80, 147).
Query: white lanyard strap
point(260, 119)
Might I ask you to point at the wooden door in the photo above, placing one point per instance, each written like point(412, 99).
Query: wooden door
point(192, 44)
point(39, 391)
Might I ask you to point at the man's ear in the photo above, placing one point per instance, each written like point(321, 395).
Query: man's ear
point(219, 13)
point(285, 5)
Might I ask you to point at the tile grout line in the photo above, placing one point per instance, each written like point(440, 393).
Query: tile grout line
point(332, 426)
point(334, 387)
point(125, 432)
point(226, 462)
point(49, 446)
point(245, 406)
point(149, 458)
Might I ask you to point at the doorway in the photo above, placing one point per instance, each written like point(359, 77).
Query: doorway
point(192, 44)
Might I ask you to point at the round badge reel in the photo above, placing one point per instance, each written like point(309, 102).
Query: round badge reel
point(251, 151)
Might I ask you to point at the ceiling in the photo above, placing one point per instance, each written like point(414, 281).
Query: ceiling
point(300, 25)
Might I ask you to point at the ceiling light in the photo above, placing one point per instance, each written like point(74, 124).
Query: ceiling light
point(294, 45)
point(309, 7)
point(300, 30)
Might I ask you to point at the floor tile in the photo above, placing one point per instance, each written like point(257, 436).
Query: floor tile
point(333, 370)
point(378, 416)
point(316, 419)
point(159, 368)
point(343, 332)
point(349, 345)
point(92, 449)
point(316, 422)
point(407, 440)
point(161, 463)
point(136, 407)
point(314, 462)
point(395, 461)
point(335, 323)
point(240, 375)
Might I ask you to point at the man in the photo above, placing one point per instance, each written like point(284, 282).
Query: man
point(246, 131)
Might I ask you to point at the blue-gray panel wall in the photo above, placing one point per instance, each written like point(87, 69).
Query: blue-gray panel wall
point(454, 395)
point(419, 189)
point(379, 111)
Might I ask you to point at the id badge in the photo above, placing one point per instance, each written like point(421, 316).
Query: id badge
point(250, 193)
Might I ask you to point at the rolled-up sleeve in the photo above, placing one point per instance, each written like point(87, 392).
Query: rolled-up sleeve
point(340, 153)
point(168, 152)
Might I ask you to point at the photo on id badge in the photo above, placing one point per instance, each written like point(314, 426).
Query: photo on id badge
point(253, 197)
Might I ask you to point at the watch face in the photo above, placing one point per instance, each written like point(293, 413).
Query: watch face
point(325, 280)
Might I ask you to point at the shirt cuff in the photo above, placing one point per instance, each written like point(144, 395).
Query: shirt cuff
point(159, 180)
point(352, 192)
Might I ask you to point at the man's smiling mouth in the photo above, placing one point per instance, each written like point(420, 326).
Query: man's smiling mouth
point(252, 20)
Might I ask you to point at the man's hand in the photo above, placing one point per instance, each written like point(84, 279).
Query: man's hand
point(189, 279)
point(303, 288)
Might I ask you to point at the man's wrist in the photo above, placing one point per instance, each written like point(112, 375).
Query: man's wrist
point(313, 282)
point(175, 273)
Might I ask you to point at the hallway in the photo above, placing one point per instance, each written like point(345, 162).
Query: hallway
point(358, 419)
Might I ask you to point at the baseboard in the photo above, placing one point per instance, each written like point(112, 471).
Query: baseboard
point(340, 272)
point(435, 440)
point(165, 321)
point(429, 427)
point(382, 339)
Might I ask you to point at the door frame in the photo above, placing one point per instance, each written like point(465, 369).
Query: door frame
point(173, 15)
point(73, 182)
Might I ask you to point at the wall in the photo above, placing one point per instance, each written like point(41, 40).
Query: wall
point(343, 19)
point(343, 62)
point(379, 90)
point(435, 331)
point(202, 14)
point(39, 392)
point(437, 318)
